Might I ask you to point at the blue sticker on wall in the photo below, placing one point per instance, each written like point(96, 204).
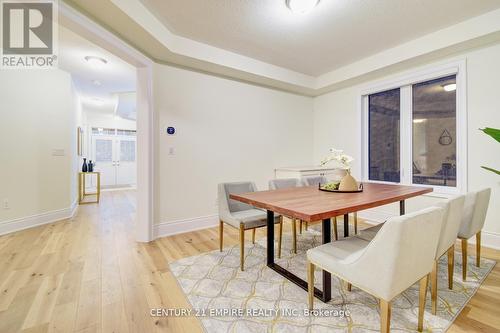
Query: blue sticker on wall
point(170, 130)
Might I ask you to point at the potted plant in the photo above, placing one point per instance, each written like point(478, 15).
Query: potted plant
point(495, 134)
point(343, 161)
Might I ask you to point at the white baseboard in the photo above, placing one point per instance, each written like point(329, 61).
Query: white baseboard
point(7, 227)
point(488, 238)
point(181, 226)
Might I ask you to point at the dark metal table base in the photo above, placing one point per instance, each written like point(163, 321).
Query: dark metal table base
point(326, 294)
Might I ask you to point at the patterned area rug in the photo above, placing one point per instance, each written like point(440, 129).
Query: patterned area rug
point(260, 300)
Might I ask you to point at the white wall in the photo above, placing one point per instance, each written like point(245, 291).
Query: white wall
point(226, 131)
point(36, 113)
point(337, 123)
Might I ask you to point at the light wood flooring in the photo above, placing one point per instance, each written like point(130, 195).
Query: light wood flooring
point(89, 275)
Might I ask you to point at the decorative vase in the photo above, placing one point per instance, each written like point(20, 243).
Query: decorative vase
point(84, 166)
point(91, 166)
point(348, 183)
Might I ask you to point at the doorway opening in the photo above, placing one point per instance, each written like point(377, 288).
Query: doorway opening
point(113, 85)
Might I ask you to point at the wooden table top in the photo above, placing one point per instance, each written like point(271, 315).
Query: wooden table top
point(311, 204)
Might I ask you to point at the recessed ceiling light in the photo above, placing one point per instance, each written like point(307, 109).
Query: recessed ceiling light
point(301, 6)
point(96, 83)
point(96, 62)
point(450, 87)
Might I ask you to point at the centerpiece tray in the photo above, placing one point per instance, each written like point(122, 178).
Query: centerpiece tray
point(360, 189)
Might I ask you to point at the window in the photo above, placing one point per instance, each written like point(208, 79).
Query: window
point(384, 114)
point(434, 132)
point(103, 150)
point(103, 131)
point(127, 151)
point(414, 130)
point(126, 132)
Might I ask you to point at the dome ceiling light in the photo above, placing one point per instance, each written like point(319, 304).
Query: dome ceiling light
point(301, 6)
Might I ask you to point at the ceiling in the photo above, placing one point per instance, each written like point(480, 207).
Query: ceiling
point(334, 34)
point(116, 79)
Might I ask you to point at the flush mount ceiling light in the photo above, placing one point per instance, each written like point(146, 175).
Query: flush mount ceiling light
point(301, 6)
point(96, 62)
point(450, 87)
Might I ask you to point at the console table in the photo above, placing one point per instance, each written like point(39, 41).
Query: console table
point(81, 188)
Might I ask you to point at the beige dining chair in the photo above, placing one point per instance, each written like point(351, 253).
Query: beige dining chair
point(401, 254)
point(449, 230)
point(241, 215)
point(314, 181)
point(473, 217)
point(281, 183)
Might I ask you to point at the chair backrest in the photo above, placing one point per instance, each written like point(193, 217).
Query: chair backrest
point(453, 209)
point(474, 213)
point(276, 184)
point(227, 205)
point(402, 252)
point(313, 180)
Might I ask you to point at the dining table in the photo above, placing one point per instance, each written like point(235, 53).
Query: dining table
point(310, 204)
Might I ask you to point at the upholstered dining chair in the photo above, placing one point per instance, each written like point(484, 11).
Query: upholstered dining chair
point(276, 184)
point(452, 213)
point(401, 254)
point(314, 181)
point(241, 215)
point(473, 217)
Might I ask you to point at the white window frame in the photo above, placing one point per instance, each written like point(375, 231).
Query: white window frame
point(405, 82)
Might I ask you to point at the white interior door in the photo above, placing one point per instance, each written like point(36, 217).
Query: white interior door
point(126, 169)
point(104, 148)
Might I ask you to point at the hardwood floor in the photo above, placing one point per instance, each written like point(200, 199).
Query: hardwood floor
point(89, 275)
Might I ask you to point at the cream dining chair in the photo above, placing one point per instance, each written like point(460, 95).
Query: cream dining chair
point(241, 215)
point(281, 183)
point(451, 223)
point(401, 254)
point(314, 181)
point(473, 217)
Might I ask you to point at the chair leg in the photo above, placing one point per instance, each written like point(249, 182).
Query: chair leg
point(253, 235)
point(307, 225)
point(385, 316)
point(464, 259)
point(300, 227)
point(294, 235)
point(221, 234)
point(434, 289)
point(478, 249)
point(310, 284)
point(355, 223)
point(349, 286)
point(335, 233)
point(421, 301)
point(280, 236)
point(242, 247)
point(451, 266)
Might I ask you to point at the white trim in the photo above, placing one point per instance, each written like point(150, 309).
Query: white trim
point(404, 82)
point(488, 239)
point(7, 227)
point(181, 226)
